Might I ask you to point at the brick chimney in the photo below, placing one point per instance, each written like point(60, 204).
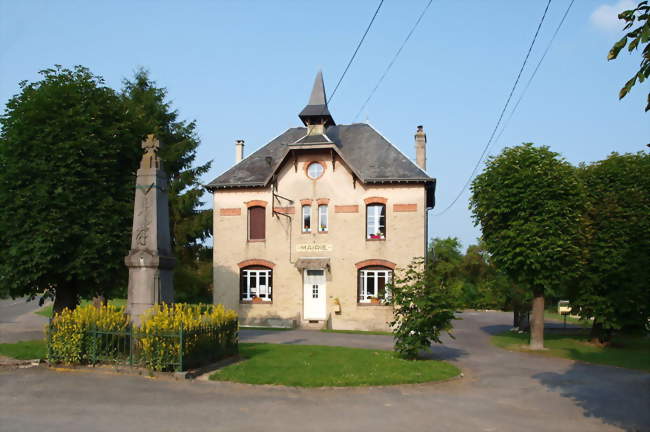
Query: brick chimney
point(239, 150)
point(421, 148)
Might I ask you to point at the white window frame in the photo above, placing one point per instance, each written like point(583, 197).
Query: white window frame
point(320, 173)
point(323, 217)
point(374, 274)
point(255, 274)
point(306, 213)
point(373, 221)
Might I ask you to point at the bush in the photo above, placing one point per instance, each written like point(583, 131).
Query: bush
point(423, 309)
point(69, 339)
point(174, 336)
point(208, 333)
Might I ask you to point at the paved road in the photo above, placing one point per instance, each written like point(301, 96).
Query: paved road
point(19, 322)
point(502, 391)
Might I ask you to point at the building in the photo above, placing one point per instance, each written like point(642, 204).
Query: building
point(309, 229)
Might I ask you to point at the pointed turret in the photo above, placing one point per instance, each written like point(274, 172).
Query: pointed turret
point(316, 112)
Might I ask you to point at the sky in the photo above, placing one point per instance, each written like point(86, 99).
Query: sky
point(244, 70)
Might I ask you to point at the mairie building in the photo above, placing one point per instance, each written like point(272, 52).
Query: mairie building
point(310, 228)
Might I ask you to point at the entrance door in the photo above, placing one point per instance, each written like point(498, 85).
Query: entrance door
point(315, 306)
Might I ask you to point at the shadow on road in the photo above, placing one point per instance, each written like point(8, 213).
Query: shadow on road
point(602, 400)
point(495, 329)
point(442, 352)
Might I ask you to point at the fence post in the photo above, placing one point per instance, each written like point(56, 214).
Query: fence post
point(49, 341)
point(131, 344)
point(180, 349)
point(93, 333)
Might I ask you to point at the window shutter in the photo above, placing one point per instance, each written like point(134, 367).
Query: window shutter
point(256, 223)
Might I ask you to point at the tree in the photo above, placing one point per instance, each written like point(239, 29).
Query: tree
point(67, 157)
point(424, 308)
point(638, 36)
point(614, 288)
point(446, 258)
point(529, 203)
point(190, 225)
point(485, 286)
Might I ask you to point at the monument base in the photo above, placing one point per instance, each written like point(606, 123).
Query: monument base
point(151, 282)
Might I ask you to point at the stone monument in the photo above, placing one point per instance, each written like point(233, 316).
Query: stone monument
point(150, 260)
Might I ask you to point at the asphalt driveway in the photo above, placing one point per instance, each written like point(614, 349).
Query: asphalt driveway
point(19, 322)
point(501, 391)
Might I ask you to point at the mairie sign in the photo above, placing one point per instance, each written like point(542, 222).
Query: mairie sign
point(314, 247)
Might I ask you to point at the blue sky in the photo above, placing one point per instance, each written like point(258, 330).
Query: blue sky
point(244, 70)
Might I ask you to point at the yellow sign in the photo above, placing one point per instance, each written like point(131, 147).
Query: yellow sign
point(314, 247)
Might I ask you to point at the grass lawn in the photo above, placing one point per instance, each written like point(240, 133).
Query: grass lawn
point(554, 316)
point(382, 333)
point(26, 350)
point(47, 310)
point(632, 352)
point(318, 366)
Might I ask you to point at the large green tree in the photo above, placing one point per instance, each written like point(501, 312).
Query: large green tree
point(614, 289)
point(67, 156)
point(529, 203)
point(634, 39)
point(151, 112)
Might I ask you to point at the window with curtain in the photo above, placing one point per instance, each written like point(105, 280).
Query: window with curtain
point(376, 222)
point(322, 218)
point(373, 283)
point(306, 218)
point(255, 284)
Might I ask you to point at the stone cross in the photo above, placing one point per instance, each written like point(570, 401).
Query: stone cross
point(150, 260)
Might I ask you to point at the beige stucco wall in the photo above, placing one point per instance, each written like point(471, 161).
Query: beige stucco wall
point(405, 239)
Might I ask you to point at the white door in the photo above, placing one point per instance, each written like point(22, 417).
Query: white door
point(315, 306)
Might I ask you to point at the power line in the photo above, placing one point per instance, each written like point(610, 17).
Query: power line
point(505, 107)
point(355, 51)
point(390, 65)
point(539, 63)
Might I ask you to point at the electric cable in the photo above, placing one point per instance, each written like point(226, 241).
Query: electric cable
point(329, 100)
point(532, 76)
point(505, 107)
point(390, 65)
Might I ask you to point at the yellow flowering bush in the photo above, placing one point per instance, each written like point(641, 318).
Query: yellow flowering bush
point(68, 333)
point(171, 336)
point(202, 332)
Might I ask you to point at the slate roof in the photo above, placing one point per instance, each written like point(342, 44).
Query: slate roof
point(368, 154)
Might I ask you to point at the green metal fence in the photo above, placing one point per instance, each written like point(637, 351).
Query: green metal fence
point(179, 350)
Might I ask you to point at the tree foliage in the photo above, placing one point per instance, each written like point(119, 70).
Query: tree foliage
point(425, 308)
point(614, 285)
point(529, 203)
point(69, 149)
point(472, 276)
point(67, 156)
point(634, 39)
point(152, 113)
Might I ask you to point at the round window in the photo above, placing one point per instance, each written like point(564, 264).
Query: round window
point(314, 170)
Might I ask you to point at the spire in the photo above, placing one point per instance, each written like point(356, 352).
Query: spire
point(318, 96)
point(316, 112)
